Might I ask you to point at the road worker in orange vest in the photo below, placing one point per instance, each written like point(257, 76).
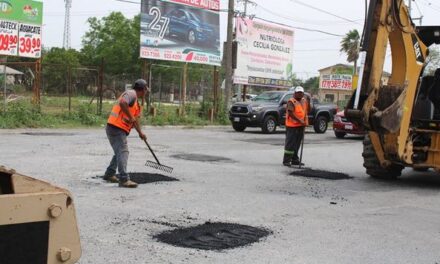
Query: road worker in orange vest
point(296, 121)
point(123, 117)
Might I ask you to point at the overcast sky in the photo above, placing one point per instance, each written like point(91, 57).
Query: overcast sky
point(312, 50)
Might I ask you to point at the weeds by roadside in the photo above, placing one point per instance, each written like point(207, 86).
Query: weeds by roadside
point(54, 114)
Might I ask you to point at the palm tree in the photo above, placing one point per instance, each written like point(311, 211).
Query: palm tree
point(350, 45)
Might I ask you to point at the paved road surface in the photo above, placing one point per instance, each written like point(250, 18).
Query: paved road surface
point(359, 220)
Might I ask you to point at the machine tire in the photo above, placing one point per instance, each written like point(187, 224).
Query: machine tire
point(320, 125)
point(269, 125)
point(373, 167)
point(421, 169)
point(238, 127)
point(340, 134)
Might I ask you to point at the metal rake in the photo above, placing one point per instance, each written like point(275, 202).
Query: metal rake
point(156, 165)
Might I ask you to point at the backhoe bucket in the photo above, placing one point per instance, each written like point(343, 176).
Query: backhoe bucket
point(37, 222)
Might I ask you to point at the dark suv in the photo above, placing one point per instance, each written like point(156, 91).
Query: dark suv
point(268, 110)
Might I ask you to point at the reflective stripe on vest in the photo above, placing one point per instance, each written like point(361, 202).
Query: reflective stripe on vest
point(300, 111)
point(119, 119)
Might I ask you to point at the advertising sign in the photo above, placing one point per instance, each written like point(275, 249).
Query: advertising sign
point(336, 81)
point(20, 28)
point(181, 30)
point(264, 53)
point(29, 41)
point(8, 38)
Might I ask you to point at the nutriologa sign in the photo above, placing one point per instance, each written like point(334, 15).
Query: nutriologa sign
point(20, 28)
point(264, 53)
point(181, 30)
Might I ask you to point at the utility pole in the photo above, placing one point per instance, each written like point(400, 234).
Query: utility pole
point(66, 37)
point(420, 19)
point(228, 55)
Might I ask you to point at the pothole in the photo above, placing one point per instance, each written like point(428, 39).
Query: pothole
point(48, 134)
point(144, 178)
point(202, 158)
point(213, 236)
point(329, 175)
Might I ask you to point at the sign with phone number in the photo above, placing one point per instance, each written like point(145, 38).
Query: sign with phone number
point(252, 80)
point(20, 39)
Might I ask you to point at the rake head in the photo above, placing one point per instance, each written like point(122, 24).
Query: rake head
point(158, 166)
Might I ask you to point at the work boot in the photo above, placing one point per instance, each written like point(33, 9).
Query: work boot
point(128, 184)
point(112, 179)
point(297, 163)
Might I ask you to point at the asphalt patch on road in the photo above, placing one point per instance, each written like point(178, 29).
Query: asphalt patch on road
point(202, 158)
point(321, 174)
point(213, 236)
point(143, 178)
point(47, 134)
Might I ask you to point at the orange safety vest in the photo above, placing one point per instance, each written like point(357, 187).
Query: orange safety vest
point(300, 111)
point(119, 119)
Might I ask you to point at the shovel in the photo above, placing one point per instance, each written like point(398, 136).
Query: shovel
point(156, 165)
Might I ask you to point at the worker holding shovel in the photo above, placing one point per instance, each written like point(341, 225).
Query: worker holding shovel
point(296, 121)
point(123, 117)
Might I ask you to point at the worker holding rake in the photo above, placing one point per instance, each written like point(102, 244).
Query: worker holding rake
point(296, 122)
point(123, 117)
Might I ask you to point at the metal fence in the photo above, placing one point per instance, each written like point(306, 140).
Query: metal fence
point(58, 88)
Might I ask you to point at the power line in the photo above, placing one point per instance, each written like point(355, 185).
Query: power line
point(323, 11)
point(298, 21)
point(128, 1)
point(431, 5)
point(301, 28)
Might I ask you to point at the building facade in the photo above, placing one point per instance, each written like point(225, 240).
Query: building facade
point(336, 84)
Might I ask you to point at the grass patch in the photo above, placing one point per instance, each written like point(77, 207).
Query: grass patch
point(53, 112)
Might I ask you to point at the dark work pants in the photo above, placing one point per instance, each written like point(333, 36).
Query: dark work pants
point(118, 140)
point(294, 136)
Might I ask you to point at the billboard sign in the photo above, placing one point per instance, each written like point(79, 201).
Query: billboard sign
point(181, 30)
point(20, 28)
point(336, 81)
point(264, 53)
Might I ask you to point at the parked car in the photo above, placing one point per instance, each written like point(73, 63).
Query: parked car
point(342, 127)
point(187, 25)
point(268, 110)
point(238, 97)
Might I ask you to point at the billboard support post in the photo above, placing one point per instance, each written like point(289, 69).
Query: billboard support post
point(215, 90)
point(228, 56)
point(4, 88)
point(184, 81)
point(244, 92)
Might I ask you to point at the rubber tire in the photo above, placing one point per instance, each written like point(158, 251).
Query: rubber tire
point(238, 127)
point(373, 167)
point(421, 169)
point(267, 120)
point(318, 122)
point(340, 134)
point(188, 37)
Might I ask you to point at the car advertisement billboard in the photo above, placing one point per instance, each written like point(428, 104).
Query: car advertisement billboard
point(336, 81)
point(264, 53)
point(20, 28)
point(181, 30)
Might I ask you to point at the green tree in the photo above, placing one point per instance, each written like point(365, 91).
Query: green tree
point(295, 80)
point(56, 63)
point(312, 85)
point(350, 45)
point(115, 39)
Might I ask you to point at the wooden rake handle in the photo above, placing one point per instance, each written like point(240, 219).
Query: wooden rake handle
point(152, 152)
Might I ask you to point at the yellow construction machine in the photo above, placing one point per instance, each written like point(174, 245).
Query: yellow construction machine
point(37, 222)
point(402, 116)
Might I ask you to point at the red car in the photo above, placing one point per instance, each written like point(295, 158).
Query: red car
point(342, 127)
